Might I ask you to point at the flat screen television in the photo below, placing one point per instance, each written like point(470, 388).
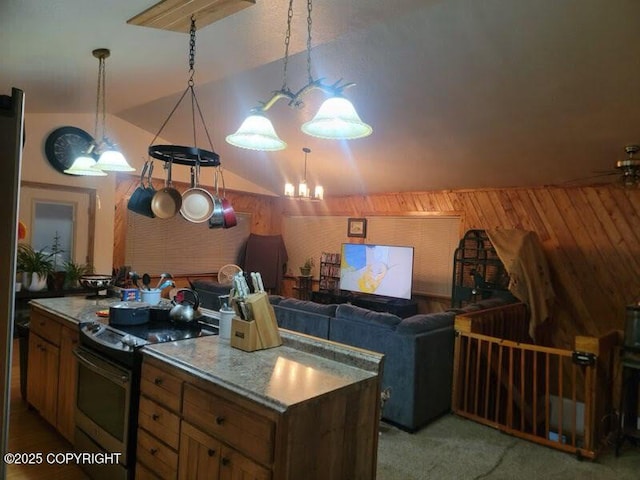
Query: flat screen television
point(384, 270)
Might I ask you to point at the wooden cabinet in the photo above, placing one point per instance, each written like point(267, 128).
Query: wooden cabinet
point(51, 377)
point(67, 381)
point(228, 436)
point(203, 457)
point(42, 378)
point(158, 423)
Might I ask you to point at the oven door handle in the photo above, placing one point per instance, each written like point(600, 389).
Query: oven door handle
point(100, 370)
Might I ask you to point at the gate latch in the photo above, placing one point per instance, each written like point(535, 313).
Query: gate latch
point(583, 358)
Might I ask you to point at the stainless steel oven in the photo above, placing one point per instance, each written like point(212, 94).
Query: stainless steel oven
point(103, 411)
point(109, 364)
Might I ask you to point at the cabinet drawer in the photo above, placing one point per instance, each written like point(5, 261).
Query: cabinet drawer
point(161, 387)
point(46, 327)
point(248, 431)
point(159, 421)
point(156, 456)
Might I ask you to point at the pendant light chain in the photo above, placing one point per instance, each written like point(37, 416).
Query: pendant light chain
point(95, 124)
point(287, 40)
point(309, 8)
point(102, 76)
point(194, 100)
point(192, 71)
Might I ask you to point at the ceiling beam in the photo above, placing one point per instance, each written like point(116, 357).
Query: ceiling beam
point(176, 15)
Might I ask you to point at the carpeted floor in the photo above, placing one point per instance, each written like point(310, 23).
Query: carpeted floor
point(455, 448)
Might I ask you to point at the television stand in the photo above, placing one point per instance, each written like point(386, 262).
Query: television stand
point(398, 306)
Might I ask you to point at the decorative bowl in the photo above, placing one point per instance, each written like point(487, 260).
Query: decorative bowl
point(96, 282)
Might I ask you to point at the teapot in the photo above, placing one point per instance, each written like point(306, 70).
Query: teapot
point(184, 311)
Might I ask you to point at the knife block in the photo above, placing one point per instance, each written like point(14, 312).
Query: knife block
point(244, 335)
point(261, 331)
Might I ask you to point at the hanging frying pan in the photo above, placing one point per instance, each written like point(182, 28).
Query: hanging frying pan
point(167, 201)
point(228, 214)
point(197, 203)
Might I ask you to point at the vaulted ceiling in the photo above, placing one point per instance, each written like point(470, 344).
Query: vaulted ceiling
point(460, 93)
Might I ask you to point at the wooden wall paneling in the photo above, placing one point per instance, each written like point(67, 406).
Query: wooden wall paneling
point(608, 262)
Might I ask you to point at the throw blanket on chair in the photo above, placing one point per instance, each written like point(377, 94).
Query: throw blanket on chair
point(265, 254)
point(529, 280)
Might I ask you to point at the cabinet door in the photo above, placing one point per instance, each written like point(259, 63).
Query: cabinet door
point(67, 383)
point(199, 455)
point(42, 377)
point(234, 465)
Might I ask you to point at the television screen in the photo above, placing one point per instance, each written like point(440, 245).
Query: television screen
point(377, 269)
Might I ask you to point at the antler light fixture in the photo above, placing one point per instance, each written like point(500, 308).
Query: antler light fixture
point(336, 119)
point(109, 157)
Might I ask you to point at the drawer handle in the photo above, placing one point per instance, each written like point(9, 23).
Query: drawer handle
point(211, 452)
point(158, 381)
point(220, 420)
point(225, 461)
point(155, 417)
point(153, 451)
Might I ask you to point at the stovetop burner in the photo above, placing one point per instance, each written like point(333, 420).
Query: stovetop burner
point(120, 342)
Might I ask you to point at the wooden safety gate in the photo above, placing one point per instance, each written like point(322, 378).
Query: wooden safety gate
point(559, 398)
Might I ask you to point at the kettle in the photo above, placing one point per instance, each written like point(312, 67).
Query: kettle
point(185, 311)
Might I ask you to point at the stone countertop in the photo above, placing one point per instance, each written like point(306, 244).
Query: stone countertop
point(303, 367)
point(276, 377)
point(75, 309)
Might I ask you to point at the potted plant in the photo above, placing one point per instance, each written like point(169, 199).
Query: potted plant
point(35, 266)
point(56, 278)
point(73, 272)
point(305, 269)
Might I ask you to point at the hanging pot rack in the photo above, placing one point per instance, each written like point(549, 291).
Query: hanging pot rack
point(184, 155)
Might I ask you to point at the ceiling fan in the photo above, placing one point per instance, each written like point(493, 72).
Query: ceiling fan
point(628, 170)
point(630, 167)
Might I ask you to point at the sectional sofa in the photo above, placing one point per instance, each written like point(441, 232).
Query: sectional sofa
point(418, 350)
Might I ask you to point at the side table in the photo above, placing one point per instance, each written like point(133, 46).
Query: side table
point(304, 287)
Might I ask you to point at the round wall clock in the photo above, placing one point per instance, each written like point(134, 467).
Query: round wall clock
point(64, 144)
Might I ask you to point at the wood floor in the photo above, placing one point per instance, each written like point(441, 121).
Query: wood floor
point(29, 433)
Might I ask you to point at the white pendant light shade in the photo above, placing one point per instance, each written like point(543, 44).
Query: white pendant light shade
point(319, 192)
point(111, 160)
point(337, 119)
point(256, 133)
point(85, 165)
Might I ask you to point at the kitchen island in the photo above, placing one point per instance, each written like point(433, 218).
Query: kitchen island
point(306, 409)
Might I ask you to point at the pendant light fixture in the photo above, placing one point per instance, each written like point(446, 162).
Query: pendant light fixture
point(336, 119)
point(304, 192)
point(109, 157)
point(192, 156)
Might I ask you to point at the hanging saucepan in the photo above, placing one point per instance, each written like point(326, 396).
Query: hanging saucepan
point(228, 214)
point(167, 201)
point(197, 203)
point(217, 219)
point(140, 200)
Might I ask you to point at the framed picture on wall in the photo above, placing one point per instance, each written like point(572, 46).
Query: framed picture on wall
point(357, 227)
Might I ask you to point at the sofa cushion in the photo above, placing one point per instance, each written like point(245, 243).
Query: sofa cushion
point(425, 322)
point(352, 313)
point(209, 293)
point(275, 299)
point(312, 307)
point(201, 284)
